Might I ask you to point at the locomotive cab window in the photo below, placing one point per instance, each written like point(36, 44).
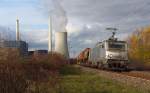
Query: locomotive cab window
point(119, 46)
point(102, 46)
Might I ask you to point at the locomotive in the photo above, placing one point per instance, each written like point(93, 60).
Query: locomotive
point(110, 54)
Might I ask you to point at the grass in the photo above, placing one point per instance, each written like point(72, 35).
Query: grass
point(92, 83)
point(70, 70)
point(52, 74)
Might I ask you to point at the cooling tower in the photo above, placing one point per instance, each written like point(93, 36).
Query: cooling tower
point(17, 30)
point(61, 44)
point(50, 35)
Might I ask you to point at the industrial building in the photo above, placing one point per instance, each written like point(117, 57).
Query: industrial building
point(22, 46)
point(30, 53)
point(37, 53)
point(40, 52)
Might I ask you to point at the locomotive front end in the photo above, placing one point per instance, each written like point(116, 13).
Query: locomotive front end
point(116, 54)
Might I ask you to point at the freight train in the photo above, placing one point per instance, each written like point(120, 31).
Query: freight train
point(110, 54)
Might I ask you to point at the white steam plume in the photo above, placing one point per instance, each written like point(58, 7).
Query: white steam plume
point(59, 17)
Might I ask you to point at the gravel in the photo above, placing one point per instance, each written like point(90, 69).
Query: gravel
point(137, 82)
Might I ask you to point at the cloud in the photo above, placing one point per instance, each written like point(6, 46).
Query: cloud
point(96, 15)
point(87, 20)
point(6, 33)
point(37, 39)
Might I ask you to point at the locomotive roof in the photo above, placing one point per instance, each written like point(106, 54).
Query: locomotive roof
point(115, 41)
point(101, 43)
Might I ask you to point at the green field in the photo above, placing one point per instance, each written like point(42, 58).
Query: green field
point(91, 83)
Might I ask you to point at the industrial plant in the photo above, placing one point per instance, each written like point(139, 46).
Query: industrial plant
point(17, 44)
point(61, 44)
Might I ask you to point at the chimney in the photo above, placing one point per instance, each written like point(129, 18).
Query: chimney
point(50, 35)
point(17, 30)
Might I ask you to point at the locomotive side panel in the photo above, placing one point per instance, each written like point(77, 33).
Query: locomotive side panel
point(97, 55)
point(93, 55)
point(103, 53)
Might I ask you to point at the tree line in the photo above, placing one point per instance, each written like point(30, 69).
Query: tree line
point(139, 46)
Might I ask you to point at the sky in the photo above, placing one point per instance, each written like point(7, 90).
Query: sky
point(87, 20)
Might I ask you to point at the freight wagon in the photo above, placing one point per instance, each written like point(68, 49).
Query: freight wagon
point(83, 56)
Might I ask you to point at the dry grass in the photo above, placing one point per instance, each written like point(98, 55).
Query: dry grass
point(40, 74)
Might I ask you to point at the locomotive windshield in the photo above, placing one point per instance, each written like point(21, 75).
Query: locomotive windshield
point(116, 46)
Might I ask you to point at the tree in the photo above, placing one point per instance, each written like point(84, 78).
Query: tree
point(139, 46)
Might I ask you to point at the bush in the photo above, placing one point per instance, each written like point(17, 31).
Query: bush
point(43, 72)
point(39, 74)
point(35, 72)
point(52, 61)
point(12, 79)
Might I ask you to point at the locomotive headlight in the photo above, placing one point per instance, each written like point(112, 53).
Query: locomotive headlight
point(110, 56)
point(122, 62)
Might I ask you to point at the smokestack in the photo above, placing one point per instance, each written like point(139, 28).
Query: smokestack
point(17, 30)
point(61, 44)
point(50, 35)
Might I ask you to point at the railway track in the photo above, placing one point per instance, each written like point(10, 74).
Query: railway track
point(138, 74)
point(136, 80)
